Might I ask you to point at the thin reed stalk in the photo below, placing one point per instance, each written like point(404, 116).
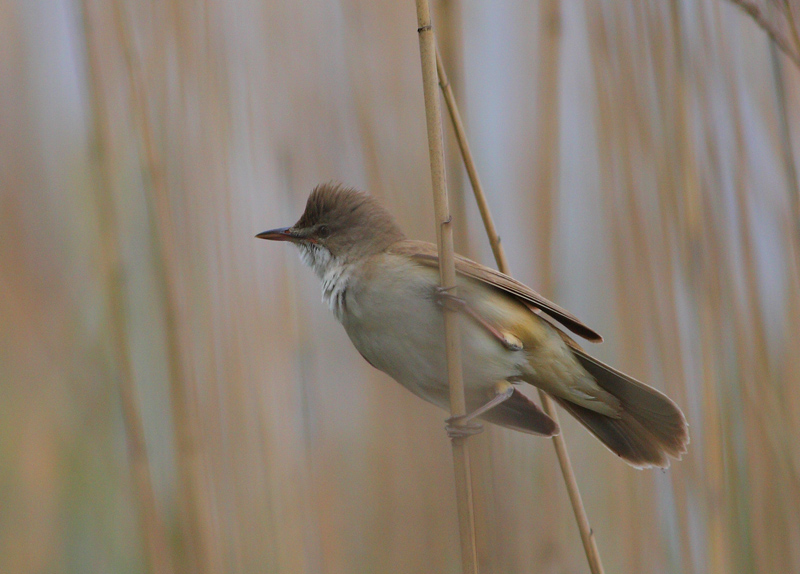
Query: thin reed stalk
point(447, 273)
point(626, 299)
point(661, 273)
point(586, 532)
point(772, 501)
point(154, 534)
point(449, 38)
point(696, 255)
point(752, 311)
point(200, 555)
point(546, 142)
point(469, 164)
point(720, 555)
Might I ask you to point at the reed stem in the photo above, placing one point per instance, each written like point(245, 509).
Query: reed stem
point(587, 534)
point(201, 556)
point(447, 274)
point(151, 522)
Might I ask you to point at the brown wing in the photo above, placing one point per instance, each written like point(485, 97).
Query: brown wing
point(426, 253)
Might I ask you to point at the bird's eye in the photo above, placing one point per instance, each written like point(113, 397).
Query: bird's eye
point(323, 231)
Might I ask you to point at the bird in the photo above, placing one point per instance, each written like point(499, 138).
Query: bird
point(384, 290)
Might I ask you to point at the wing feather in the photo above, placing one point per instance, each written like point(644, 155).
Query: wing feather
point(427, 254)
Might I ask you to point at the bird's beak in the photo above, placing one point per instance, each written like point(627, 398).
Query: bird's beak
point(280, 234)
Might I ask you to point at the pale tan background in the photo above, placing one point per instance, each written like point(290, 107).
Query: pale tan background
point(637, 155)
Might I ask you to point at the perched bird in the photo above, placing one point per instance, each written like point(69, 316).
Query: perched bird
point(384, 289)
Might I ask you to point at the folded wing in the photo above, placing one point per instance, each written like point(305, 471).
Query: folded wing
point(427, 254)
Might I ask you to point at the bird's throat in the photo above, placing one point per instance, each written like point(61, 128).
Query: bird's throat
point(333, 273)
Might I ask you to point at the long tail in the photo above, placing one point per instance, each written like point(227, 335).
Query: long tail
point(650, 428)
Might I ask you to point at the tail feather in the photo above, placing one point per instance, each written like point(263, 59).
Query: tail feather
point(650, 428)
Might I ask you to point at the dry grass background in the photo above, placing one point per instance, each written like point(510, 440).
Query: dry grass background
point(639, 161)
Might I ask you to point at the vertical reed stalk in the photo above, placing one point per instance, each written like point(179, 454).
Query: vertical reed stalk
point(449, 36)
point(657, 254)
point(546, 158)
point(696, 254)
point(469, 164)
point(200, 555)
point(151, 522)
point(765, 411)
point(447, 273)
point(587, 534)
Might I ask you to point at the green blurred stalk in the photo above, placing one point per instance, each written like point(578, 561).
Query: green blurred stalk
point(154, 534)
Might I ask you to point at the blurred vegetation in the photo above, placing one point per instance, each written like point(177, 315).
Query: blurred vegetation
point(173, 396)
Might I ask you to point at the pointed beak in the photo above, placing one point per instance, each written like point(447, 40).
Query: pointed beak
point(280, 234)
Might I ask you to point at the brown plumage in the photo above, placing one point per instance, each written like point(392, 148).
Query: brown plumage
point(649, 425)
point(426, 253)
point(382, 287)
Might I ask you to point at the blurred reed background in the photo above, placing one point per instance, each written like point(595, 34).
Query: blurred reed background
point(175, 398)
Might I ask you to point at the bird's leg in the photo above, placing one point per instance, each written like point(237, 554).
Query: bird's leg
point(461, 427)
point(455, 303)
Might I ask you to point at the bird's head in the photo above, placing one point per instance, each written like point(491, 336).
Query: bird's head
point(339, 225)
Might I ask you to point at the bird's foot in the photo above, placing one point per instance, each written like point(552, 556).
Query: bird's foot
point(447, 300)
point(455, 429)
point(462, 426)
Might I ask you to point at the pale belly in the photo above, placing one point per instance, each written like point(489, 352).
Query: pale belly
point(399, 328)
